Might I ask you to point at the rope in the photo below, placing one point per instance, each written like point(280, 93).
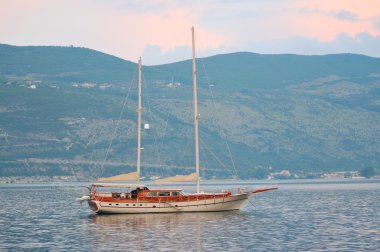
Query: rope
point(117, 125)
point(216, 158)
point(155, 136)
point(159, 140)
point(219, 128)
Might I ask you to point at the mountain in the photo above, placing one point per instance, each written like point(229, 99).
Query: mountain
point(60, 110)
point(251, 70)
point(63, 64)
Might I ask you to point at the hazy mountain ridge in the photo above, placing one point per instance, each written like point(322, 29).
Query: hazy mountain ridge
point(303, 113)
point(63, 64)
point(251, 70)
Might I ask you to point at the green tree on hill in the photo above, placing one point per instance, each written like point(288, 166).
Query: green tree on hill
point(367, 172)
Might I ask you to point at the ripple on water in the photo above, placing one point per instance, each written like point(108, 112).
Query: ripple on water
point(294, 218)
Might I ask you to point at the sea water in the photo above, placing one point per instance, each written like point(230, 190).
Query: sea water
point(299, 216)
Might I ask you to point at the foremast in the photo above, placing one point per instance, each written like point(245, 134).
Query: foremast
point(196, 115)
point(139, 110)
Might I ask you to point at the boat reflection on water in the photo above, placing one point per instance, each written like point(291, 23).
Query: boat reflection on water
point(164, 218)
point(178, 231)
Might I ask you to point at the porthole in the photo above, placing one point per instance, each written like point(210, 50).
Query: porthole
point(154, 206)
point(109, 204)
point(117, 204)
point(127, 204)
point(140, 204)
point(134, 204)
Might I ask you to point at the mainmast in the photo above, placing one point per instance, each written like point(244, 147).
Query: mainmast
point(196, 115)
point(139, 109)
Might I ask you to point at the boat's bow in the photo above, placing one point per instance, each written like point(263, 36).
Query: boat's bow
point(83, 198)
point(262, 190)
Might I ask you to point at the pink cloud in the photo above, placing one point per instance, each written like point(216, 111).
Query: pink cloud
point(364, 9)
point(129, 29)
point(325, 20)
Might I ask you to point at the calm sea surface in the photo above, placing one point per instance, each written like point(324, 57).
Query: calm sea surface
point(300, 216)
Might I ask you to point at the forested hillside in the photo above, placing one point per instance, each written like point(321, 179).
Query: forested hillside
point(60, 109)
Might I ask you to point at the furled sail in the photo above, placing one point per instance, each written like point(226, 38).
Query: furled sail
point(178, 178)
point(132, 176)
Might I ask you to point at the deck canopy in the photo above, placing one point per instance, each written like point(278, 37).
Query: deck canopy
point(132, 176)
point(117, 185)
point(178, 178)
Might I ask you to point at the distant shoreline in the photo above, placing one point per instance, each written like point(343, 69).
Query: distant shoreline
point(71, 179)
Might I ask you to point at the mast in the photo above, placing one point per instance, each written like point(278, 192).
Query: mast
point(196, 115)
point(139, 109)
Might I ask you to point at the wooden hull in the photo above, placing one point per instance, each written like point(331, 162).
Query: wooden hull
point(232, 202)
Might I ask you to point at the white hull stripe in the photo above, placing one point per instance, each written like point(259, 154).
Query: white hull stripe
point(171, 205)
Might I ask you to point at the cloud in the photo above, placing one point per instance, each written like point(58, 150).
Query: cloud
point(327, 19)
point(154, 55)
point(142, 6)
point(362, 43)
point(346, 15)
point(377, 22)
point(159, 30)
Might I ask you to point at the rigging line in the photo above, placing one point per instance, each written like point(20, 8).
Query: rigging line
point(158, 69)
point(216, 158)
point(92, 137)
point(220, 129)
point(161, 147)
point(188, 135)
point(212, 153)
point(155, 137)
point(90, 142)
point(189, 131)
point(145, 86)
point(188, 148)
point(223, 134)
point(161, 144)
point(117, 124)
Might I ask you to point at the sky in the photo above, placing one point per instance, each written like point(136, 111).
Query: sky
point(159, 30)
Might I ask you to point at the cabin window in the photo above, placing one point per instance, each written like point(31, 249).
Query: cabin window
point(175, 194)
point(116, 195)
point(140, 204)
point(164, 193)
point(151, 194)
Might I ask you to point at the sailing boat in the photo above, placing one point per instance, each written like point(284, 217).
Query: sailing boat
point(144, 200)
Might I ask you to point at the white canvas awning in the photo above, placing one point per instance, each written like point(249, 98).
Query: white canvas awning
point(132, 176)
point(117, 185)
point(178, 178)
